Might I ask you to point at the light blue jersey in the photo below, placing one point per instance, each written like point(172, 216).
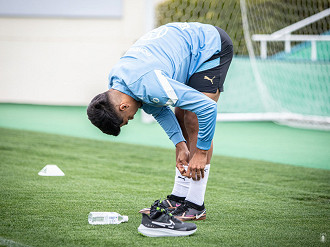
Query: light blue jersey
point(156, 69)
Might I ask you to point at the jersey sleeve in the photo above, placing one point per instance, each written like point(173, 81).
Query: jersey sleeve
point(204, 108)
point(167, 120)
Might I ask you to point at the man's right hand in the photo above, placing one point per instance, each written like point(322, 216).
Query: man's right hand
point(182, 154)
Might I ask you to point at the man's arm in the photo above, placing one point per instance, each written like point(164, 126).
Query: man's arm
point(206, 112)
point(167, 120)
point(156, 89)
point(187, 98)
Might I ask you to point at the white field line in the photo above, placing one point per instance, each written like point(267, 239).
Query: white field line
point(11, 243)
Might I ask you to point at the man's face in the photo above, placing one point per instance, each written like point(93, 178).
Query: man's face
point(128, 114)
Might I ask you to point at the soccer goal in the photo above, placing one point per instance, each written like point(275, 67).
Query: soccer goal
point(281, 66)
point(294, 83)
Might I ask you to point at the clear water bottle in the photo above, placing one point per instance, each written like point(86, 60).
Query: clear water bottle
point(105, 218)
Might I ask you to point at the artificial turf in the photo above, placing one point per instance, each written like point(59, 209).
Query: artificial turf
point(249, 203)
point(252, 140)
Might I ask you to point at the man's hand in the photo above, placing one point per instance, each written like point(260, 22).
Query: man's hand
point(197, 165)
point(182, 154)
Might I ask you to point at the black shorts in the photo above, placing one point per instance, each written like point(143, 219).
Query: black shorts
point(210, 80)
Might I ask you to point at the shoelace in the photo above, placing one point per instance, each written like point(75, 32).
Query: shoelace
point(158, 208)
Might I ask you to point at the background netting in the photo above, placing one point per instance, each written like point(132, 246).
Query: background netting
point(288, 87)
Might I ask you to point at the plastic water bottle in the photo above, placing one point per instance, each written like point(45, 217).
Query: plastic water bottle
point(105, 218)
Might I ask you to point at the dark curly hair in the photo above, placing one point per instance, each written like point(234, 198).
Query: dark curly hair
point(102, 114)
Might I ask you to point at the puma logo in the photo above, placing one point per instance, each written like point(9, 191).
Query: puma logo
point(207, 78)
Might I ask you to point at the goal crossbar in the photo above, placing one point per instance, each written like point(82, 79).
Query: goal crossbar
point(285, 35)
point(300, 24)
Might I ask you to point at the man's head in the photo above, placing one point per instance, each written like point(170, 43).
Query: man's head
point(111, 110)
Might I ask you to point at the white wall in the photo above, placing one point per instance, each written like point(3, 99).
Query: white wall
point(64, 61)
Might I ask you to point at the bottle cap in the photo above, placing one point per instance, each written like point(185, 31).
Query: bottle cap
point(125, 218)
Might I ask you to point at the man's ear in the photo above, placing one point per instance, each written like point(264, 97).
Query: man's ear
point(123, 106)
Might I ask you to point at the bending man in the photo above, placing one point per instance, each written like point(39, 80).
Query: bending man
point(182, 65)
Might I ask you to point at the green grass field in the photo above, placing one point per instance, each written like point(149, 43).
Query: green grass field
point(249, 203)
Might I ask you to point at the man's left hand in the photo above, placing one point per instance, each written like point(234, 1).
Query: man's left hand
point(197, 164)
point(182, 154)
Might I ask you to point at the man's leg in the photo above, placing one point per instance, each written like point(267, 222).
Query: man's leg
point(181, 183)
point(189, 125)
point(193, 206)
point(197, 189)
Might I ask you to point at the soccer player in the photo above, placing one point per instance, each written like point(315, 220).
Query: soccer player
point(183, 65)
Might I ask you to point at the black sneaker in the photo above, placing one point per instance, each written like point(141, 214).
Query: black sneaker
point(161, 223)
point(189, 211)
point(170, 203)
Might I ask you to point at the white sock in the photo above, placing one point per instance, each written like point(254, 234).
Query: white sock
point(181, 184)
point(197, 189)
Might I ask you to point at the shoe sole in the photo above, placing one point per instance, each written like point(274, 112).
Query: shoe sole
point(145, 211)
point(163, 232)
